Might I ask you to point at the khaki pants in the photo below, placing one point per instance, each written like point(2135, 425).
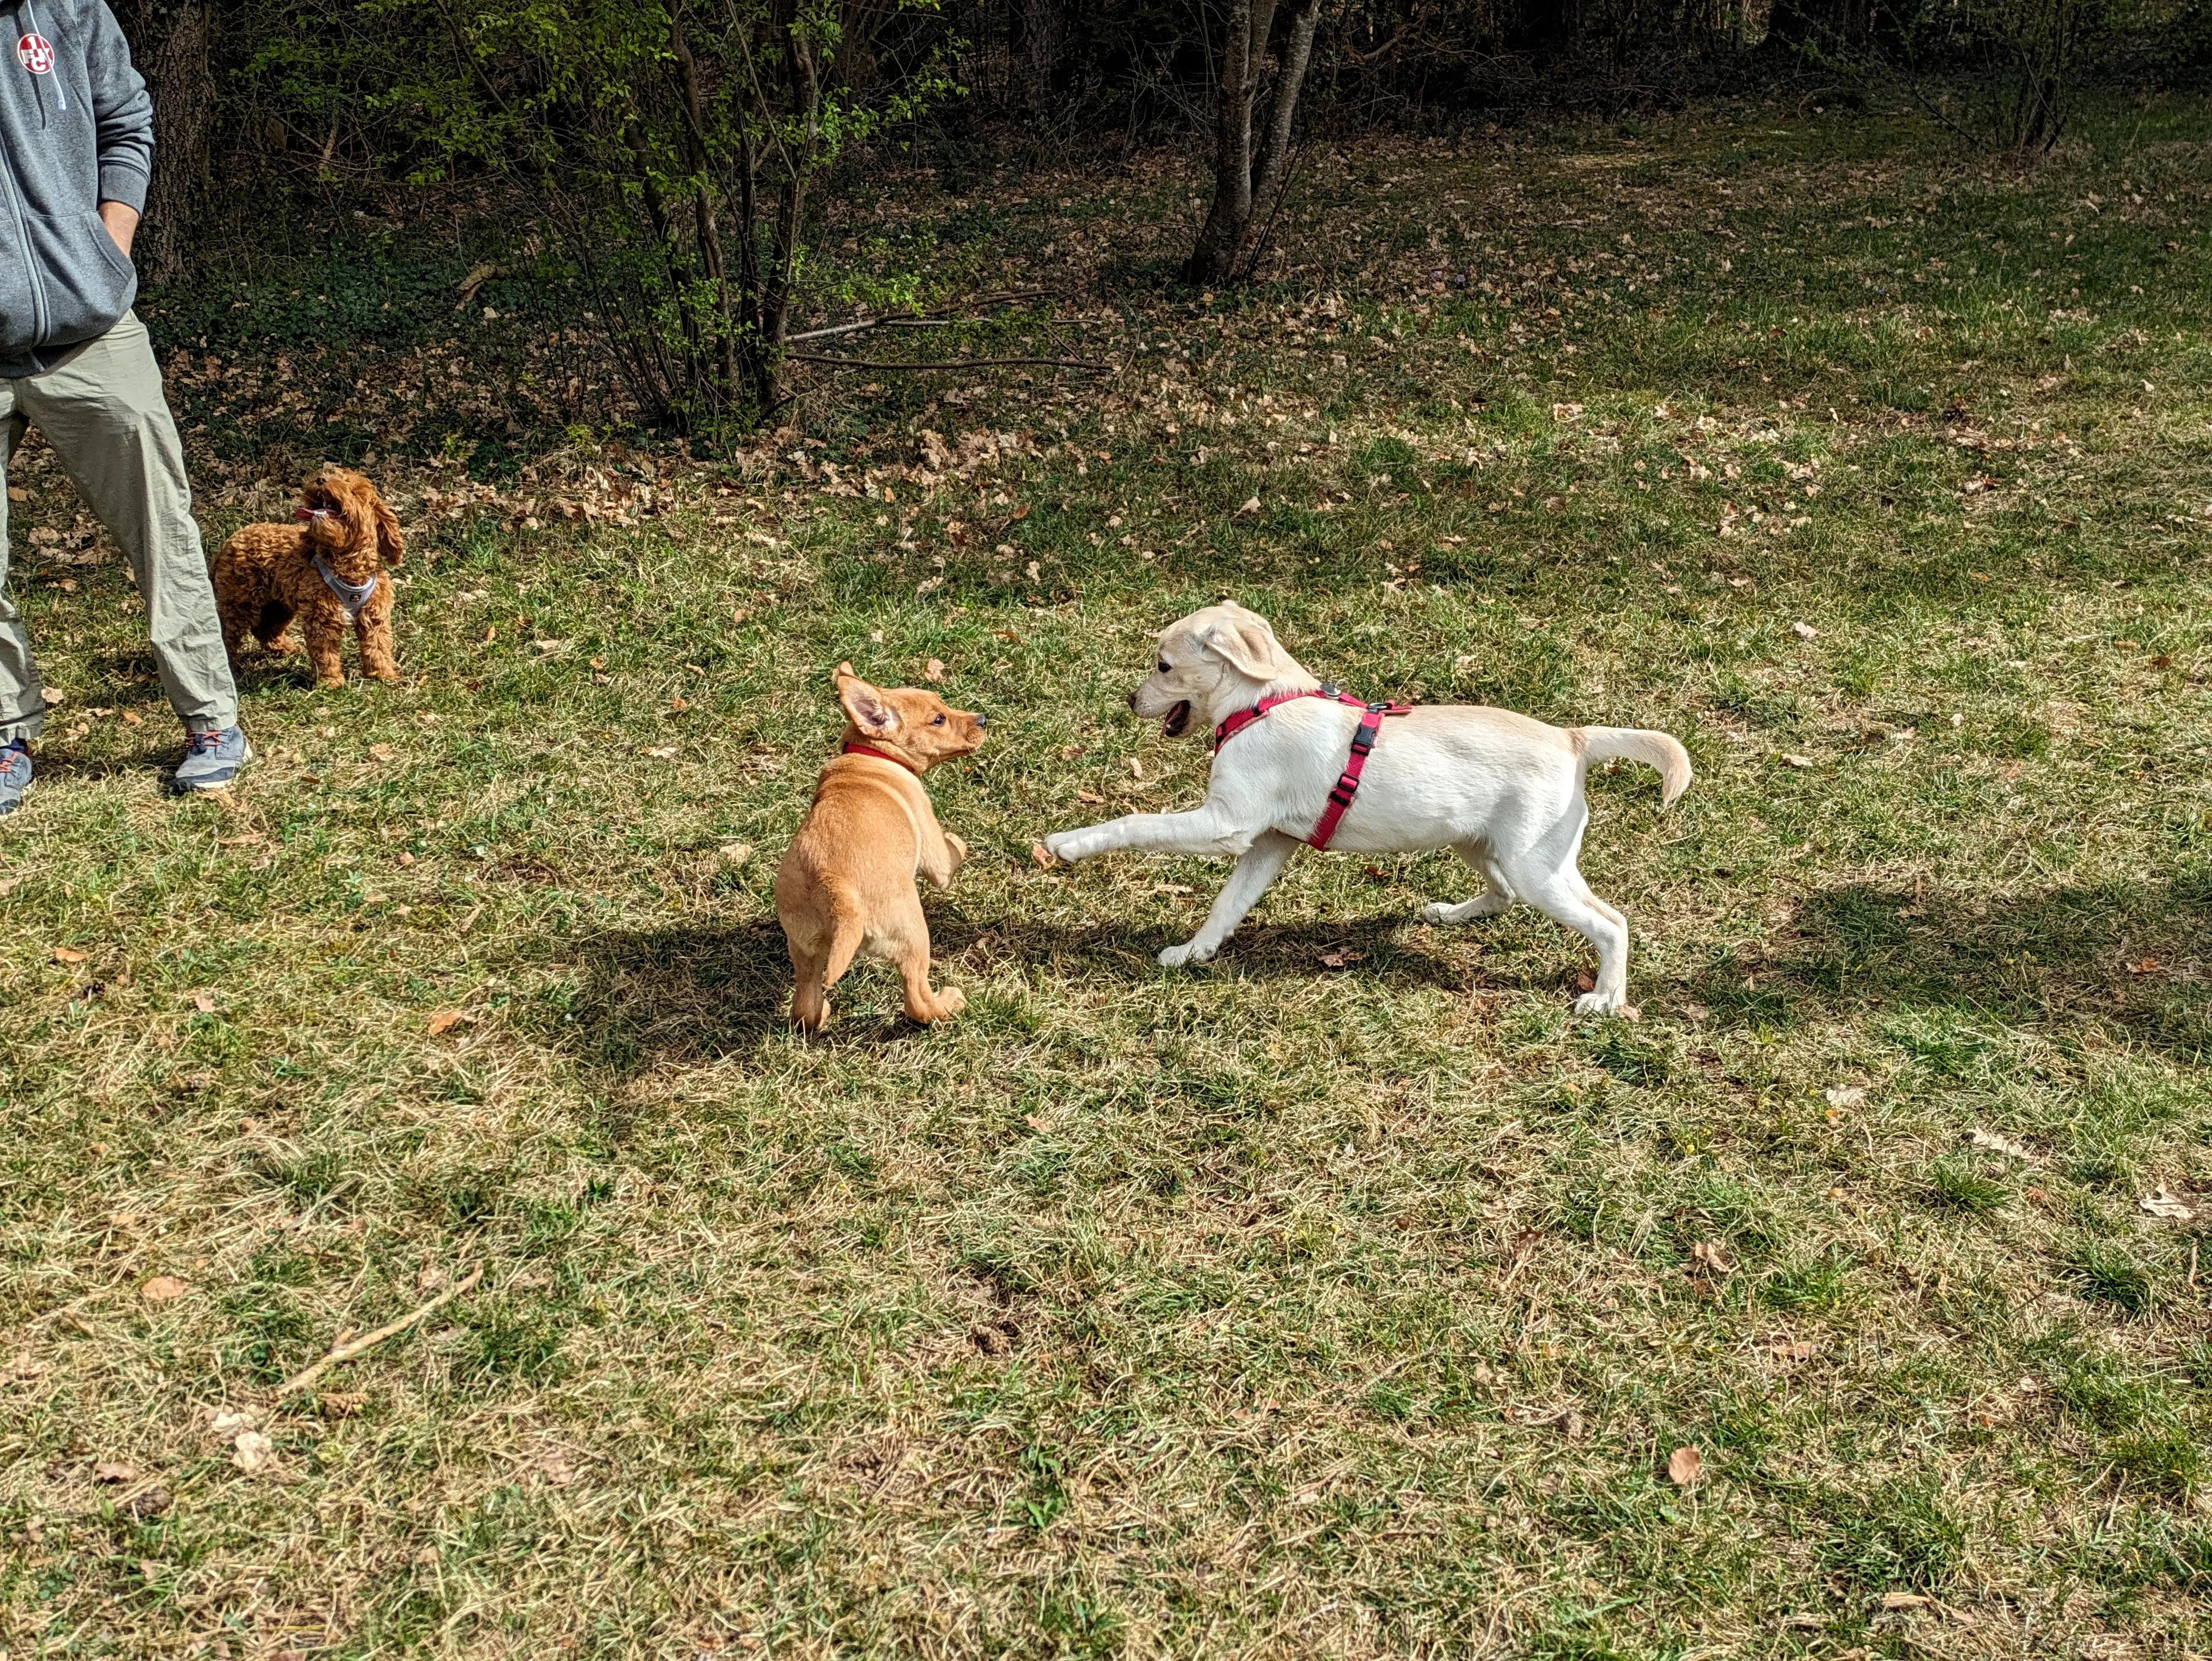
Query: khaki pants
point(103, 411)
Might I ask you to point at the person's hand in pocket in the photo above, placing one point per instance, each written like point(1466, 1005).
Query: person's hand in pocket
point(122, 223)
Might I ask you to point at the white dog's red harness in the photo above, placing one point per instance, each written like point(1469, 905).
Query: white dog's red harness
point(1348, 787)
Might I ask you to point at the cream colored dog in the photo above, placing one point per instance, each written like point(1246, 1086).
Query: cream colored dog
point(846, 885)
point(1503, 791)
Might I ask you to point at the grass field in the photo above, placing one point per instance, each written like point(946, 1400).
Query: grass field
point(1345, 1299)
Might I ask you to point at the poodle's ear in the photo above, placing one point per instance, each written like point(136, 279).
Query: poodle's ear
point(390, 543)
point(867, 707)
point(1248, 641)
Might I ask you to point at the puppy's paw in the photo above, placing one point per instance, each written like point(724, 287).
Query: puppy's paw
point(1603, 1003)
point(942, 1006)
point(1439, 911)
point(1065, 845)
point(1176, 957)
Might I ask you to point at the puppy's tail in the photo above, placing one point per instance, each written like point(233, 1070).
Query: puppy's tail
point(1657, 750)
point(844, 936)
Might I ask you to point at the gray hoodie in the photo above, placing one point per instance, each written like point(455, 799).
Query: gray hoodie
point(76, 130)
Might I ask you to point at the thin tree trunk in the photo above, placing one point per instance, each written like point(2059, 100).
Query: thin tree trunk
point(176, 66)
point(1226, 220)
point(1241, 179)
point(1297, 53)
point(709, 231)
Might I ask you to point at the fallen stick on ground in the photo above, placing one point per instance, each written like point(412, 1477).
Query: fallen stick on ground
point(950, 363)
point(353, 1346)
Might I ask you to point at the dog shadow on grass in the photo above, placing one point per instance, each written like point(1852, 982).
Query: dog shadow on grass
point(2130, 952)
point(666, 996)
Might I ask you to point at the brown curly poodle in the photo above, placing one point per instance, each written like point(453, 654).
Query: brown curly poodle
point(326, 571)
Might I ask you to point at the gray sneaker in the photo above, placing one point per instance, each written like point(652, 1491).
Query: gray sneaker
point(14, 774)
point(211, 760)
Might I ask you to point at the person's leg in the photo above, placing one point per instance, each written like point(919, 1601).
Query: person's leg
point(104, 411)
point(22, 695)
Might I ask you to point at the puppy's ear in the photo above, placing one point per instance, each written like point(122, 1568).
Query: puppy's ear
point(865, 704)
point(390, 543)
point(1249, 643)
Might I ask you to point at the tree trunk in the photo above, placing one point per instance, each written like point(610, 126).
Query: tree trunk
point(1039, 44)
point(1796, 26)
point(171, 50)
point(1242, 180)
point(1547, 26)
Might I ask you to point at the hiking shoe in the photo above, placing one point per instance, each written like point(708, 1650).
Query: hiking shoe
point(211, 760)
point(14, 774)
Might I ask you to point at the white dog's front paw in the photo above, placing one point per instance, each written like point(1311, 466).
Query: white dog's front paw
point(1189, 951)
point(1600, 1003)
point(1066, 845)
point(1438, 911)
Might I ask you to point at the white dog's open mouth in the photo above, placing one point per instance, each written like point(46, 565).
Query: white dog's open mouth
point(1177, 719)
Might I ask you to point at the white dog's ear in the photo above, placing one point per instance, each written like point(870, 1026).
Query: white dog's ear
point(1248, 641)
point(865, 704)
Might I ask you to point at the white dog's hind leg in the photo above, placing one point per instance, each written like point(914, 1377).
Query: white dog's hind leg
point(1565, 897)
point(1496, 897)
point(1253, 875)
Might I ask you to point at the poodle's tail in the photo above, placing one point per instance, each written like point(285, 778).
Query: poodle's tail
point(1653, 749)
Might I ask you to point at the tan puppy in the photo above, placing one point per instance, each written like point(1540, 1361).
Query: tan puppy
point(847, 883)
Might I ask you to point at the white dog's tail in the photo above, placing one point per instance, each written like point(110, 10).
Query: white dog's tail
point(1641, 744)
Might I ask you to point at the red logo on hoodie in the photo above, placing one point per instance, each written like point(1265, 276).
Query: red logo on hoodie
point(35, 53)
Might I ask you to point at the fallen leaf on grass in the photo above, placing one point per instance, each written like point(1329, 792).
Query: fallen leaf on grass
point(203, 1001)
point(934, 670)
point(2145, 965)
point(666, 753)
point(1844, 1095)
point(1340, 958)
point(380, 752)
point(1041, 857)
point(252, 1452)
point(1997, 1144)
point(1804, 630)
point(1585, 981)
point(446, 1020)
point(115, 1470)
point(226, 1425)
point(1686, 1467)
point(1251, 506)
point(68, 954)
point(1905, 1600)
point(2162, 1202)
point(340, 1403)
point(1713, 1255)
point(149, 1501)
point(1090, 798)
point(1796, 761)
point(164, 1289)
point(738, 852)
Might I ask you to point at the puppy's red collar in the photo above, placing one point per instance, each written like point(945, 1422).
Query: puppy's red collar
point(1347, 785)
point(882, 755)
